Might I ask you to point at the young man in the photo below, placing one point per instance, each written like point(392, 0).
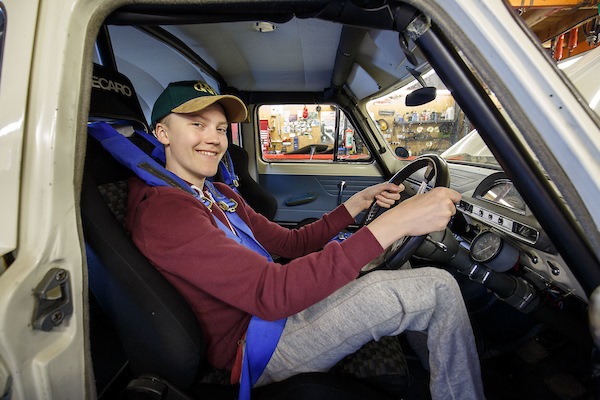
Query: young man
point(205, 252)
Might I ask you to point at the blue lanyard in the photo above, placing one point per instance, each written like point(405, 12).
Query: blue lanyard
point(262, 336)
point(245, 236)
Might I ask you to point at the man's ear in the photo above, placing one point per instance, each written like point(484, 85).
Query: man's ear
point(161, 133)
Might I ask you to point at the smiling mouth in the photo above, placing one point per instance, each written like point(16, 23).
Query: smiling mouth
point(206, 153)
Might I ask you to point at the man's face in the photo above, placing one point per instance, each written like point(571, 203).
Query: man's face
point(194, 143)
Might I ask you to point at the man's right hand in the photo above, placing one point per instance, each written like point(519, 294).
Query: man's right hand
point(419, 215)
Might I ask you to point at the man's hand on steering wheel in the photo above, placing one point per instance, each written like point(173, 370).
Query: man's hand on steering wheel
point(384, 195)
point(416, 216)
point(427, 211)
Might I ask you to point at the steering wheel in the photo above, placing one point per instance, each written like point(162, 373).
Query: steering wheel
point(402, 250)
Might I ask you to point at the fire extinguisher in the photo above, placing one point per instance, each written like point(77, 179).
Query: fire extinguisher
point(349, 139)
point(305, 113)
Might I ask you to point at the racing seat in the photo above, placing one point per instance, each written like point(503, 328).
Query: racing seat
point(260, 199)
point(159, 333)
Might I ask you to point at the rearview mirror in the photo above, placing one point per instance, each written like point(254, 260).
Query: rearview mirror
point(421, 96)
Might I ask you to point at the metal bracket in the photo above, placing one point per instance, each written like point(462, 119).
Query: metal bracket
point(418, 27)
point(53, 300)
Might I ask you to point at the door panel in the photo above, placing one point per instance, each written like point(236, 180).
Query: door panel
point(290, 191)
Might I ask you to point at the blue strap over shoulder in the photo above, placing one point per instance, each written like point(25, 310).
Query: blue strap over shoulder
point(262, 336)
point(228, 172)
point(158, 153)
point(131, 156)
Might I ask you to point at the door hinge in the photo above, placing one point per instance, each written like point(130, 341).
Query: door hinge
point(53, 300)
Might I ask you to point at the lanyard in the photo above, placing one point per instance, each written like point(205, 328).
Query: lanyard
point(262, 336)
point(241, 232)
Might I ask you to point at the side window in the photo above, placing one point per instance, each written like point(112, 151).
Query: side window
point(309, 133)
point(235, 136)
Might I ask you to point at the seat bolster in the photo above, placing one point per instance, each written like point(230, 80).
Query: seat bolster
point(157, 328)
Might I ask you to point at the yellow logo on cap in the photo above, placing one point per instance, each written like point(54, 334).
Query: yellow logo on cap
point(203, 87)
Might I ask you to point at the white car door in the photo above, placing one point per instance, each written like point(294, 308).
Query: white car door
point(41, 274)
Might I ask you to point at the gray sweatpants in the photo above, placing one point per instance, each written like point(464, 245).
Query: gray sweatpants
point(385, 303)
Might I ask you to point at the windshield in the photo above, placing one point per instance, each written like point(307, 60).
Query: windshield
point(470, 149)
point(441, 127)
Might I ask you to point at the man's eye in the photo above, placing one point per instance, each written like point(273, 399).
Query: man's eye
point(222, 131)
point(198, 124)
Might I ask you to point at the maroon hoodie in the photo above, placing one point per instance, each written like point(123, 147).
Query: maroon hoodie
point(224, 282)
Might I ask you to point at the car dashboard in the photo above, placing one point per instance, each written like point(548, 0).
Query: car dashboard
point(492, 212)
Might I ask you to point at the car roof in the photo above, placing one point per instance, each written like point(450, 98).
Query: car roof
point(268, 50)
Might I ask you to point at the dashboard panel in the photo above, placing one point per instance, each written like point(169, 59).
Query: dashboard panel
point(491, 202)
point(496, 203)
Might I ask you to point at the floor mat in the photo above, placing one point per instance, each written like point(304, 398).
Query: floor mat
point(544, 367)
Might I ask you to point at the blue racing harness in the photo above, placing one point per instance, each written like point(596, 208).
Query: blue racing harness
point(262, 336)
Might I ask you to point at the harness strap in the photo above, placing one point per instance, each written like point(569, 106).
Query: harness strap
point(229, 176)
point(262, 336)
point(261, 342)
point(158, 152)
point(131, 156)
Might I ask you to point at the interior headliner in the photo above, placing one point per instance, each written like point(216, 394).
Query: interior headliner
point(300, 55)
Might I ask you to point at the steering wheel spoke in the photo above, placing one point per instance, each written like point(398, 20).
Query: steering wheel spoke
point(403, 249)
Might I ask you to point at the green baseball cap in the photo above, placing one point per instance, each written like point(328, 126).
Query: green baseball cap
point(190, 96)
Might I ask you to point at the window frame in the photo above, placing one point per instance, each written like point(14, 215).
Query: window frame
point(340, 115)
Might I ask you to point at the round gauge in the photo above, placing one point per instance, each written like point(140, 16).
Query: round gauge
point(504, 193)
point(485, 246)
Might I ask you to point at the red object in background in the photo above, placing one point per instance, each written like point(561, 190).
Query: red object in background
point(305, 113)
point(265, 138)
point(573, 39)
point(235, 133)
point(558, 49)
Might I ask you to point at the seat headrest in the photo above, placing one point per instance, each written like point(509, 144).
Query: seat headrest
point(114, 98)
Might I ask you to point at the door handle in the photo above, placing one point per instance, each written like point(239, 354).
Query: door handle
point(341, 187)
point(301, 199)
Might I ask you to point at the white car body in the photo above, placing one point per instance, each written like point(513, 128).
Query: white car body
point(44, 98)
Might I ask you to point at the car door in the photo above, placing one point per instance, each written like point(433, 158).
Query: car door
point(311, 157)
point(41, 274)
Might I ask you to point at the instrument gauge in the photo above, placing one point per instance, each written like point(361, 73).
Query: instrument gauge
point(486, 246)
point(490, 249)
